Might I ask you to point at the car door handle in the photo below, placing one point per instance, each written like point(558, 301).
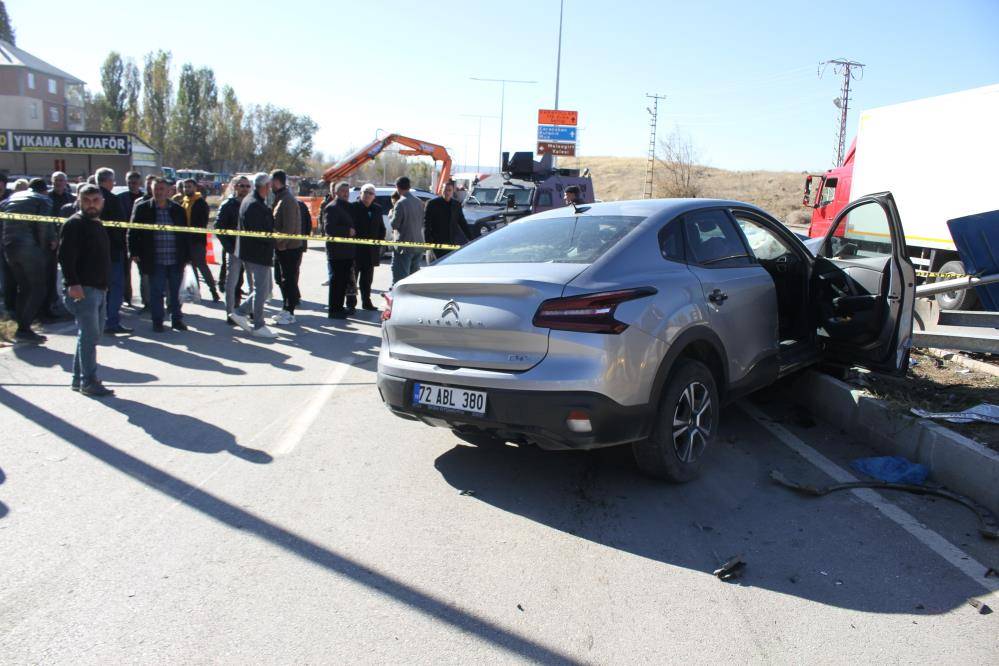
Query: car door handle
point(717, 296)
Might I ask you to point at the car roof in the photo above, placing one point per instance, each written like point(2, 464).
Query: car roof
point(650, 207)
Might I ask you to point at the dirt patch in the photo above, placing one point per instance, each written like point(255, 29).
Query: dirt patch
point(943, 386)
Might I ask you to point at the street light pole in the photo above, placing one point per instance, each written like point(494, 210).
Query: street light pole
point(502, 83)
point(558, 57)
point(478, 149)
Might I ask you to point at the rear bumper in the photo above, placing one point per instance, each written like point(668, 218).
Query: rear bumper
point(536, 417)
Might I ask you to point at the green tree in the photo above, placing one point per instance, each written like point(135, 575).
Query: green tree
point(190, 119)
point(230, 139)
point(93, 111)
point(132, 92)
point(113, 87)
point(6, 29)
point(281, 139)
point(157, 90)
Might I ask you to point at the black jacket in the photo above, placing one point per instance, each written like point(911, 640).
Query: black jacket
point(338, 222)
point(84, 252)
point(143, 241)
point(113, 213)
point(127, 201)
point(60, 200)
point(21, 233)
point(444, 222)
point(199, 218)
point(228, 218)
point(255, 215)
point(369, 224)
point(306, 216)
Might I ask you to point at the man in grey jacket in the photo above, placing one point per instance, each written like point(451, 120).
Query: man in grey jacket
point(407, 225)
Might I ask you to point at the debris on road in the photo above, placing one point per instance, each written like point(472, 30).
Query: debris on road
point(520, 608)
point(731, 570)
point(991, 571)
point(892, 469)
point(467, 493)
point(982, 607)
point(988, 525)
point(984, 413)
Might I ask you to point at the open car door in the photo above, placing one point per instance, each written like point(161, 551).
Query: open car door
point(864, 287)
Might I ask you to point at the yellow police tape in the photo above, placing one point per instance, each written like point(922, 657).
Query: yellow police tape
point(945, 276)
point(233, 232)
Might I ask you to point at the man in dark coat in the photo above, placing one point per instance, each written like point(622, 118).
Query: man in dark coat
point(368, 224)
point(119, 251)
point(162, 255)
point(127, 199)
point(337, 221)
point(62, 199)
point(257, 257)
point(196, 209)
point(25, 247)
point(444, 221)
point(86, 268)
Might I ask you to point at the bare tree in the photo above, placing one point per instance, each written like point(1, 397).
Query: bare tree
point(677, 160)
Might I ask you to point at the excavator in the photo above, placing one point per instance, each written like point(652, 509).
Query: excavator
point(353, 162)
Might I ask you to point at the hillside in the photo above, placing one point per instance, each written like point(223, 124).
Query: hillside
point(778, 192)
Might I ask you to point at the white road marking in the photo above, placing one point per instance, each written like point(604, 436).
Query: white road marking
point(293, 435)
point(939, 545)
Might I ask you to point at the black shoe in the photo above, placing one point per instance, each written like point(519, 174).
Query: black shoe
point(96, 390)
point(117, 330)
point(158, 327)
point(229, 321)
point(178, 326)
point(368, 305)
point(351, 311)
point(75, 387)
point(339, 313)
point(351, 302)
point(29, 336)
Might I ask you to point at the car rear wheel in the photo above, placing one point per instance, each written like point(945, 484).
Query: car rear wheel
point(686, 426)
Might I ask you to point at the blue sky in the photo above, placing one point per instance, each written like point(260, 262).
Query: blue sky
point(740, 78)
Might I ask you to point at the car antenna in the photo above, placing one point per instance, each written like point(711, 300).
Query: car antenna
point(579, 209)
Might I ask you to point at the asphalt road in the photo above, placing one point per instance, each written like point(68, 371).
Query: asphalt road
point(243, 501)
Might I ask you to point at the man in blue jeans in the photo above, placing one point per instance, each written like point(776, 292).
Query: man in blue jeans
point(85, 257)
point(162, 255)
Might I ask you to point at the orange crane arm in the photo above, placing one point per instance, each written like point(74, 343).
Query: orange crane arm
point(354, 162)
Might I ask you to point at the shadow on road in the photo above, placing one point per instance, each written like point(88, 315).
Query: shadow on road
point(173, 356)
point(184, 432)
point(442, 610)
point(41, 356)
point(3, 507)
point(832, 550)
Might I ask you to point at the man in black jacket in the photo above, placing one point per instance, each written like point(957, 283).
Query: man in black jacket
point(119, 251)
point(127, 200)
point(444, 221)
point(25, 248)
point(257, 256)
point(85, 257)
point(231, 273)
point(162, 255)
point(368, 224)
point(337, 221)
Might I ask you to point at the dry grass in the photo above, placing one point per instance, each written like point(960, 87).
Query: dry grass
point(778, 192)
point(7, 329)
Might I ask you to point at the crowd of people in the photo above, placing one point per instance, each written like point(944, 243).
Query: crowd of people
point(95, 260)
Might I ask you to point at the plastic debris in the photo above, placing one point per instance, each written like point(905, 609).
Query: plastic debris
point(983, 608)
point(731, 569)
point(986, 413)
point(892, 469)
point(467, 493)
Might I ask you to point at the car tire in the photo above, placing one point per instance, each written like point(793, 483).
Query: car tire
point(686, 425)
point(966, 299)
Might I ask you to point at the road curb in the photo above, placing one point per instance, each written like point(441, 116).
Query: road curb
point(961, 464)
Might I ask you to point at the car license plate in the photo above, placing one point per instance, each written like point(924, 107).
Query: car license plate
point(449, 399)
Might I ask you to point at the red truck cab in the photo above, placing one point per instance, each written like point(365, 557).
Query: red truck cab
point(828, 194)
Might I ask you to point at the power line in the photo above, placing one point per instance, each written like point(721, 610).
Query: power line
point(845, 68)
point(653, 119)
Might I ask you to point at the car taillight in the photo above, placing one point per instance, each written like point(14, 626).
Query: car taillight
point(589, 313)
point(387, 312)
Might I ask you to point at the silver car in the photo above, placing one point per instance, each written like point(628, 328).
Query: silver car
point(633, 322)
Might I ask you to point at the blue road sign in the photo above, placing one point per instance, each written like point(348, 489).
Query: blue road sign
point(556, 133)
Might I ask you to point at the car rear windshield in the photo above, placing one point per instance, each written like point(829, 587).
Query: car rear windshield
point(580, 239)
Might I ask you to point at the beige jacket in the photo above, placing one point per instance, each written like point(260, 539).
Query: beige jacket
point(287, 220)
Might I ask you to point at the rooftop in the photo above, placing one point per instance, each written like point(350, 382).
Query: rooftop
point(11, 56)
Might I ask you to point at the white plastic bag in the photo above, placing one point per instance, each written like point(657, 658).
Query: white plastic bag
point(190, 290)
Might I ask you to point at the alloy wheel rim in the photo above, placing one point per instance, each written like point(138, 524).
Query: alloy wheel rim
point(692, 422)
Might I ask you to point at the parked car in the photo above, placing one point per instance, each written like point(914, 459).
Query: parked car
point(382, 198)
point(632, 322)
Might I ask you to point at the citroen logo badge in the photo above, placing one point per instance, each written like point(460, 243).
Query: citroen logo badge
point(451, 308)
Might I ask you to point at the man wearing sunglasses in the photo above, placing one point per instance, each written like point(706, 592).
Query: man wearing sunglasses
point(231, 273)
